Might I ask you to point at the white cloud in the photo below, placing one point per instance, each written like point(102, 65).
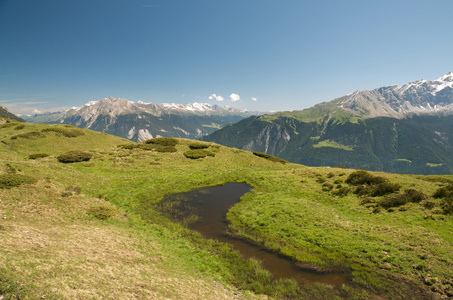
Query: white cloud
point(35, 111)
point(234, 97)
point(254, 98)
point(214, 96)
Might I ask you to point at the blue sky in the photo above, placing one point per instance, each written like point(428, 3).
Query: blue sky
point(266, 55)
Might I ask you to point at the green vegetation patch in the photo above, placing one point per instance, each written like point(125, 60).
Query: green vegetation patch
point(38, 155)
point(74, 156)
point(164, 149)
point(129, 146)
point(66, 132)
point(199, 145)
point(364, 177)
point(163, 141)
point(434, 165)
point(332, 144)
point(29, 135)
point(270, 157)
point(11, 180)
point(197, 154)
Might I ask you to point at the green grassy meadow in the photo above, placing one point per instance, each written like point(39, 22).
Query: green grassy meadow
point(90, 230)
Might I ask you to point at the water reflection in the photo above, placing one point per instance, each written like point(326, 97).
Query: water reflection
point(211, 205)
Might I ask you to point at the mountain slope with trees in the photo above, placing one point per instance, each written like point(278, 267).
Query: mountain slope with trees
point(381, 130)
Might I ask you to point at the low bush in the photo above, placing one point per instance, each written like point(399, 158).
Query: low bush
point(195, 154)
point(327, 187)
point(447, 205)
point(342, 192)
point(414, 196)
point(392, 201)
point(166, 149)
point(38, 155)
point(74, 156)
point(443, 192)
point(363, 177)
point(73, 132)
point(270, 157)
point(103, 212)
point(19, 127)
point(409, 195)
point(129, 146)
point(428, 204)
point(362, 190)
point(385, 188)
point(28, 135)
point(195, 146)
point(163, 141)
point(11, 180)
point(148, 147)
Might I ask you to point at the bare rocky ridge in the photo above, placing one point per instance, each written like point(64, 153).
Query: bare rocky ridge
point(418, 97)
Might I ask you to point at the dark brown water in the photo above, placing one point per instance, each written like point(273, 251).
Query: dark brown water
point(211, 205)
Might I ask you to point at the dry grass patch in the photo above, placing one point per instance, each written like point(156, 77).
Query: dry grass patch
point(52, 249)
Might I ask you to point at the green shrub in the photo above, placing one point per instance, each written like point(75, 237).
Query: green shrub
point(11, 180)
point(163, 141)
point(166, 149)
point(342, 192)
point(195, 146)
point(270, 157)
point(28, 135)
point(74, 156)
point(103, 212)
point(195, 154)
point(19, 127)
point(392, 201)
point(428, 204)
point(443, 192)
point(38, 155)
point(362, 190)
point(64, 132)
point(129, 146)
point(327, 187)
point(447, 205)
point(385, 188)
point(363, 177)
point(148, 147)
point(414, 196)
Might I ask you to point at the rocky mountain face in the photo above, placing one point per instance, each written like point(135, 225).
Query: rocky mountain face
point(418, 97)
point(139, 121)
point(407, 129)
point(5, 114)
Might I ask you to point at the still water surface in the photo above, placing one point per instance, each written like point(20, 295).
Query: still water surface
point(211, 205)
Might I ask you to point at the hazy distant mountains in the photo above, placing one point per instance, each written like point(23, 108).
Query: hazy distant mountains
point(406, 129)
point(139, 121)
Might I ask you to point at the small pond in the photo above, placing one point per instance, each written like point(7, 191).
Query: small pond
point(210, 206)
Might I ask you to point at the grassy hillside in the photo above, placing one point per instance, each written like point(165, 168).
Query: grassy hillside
point(89, 230)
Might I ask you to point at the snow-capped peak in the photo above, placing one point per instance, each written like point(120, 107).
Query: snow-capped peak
point(446, 78)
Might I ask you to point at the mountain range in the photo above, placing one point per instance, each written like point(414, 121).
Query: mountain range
point(138, 121)
point(404, 129)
